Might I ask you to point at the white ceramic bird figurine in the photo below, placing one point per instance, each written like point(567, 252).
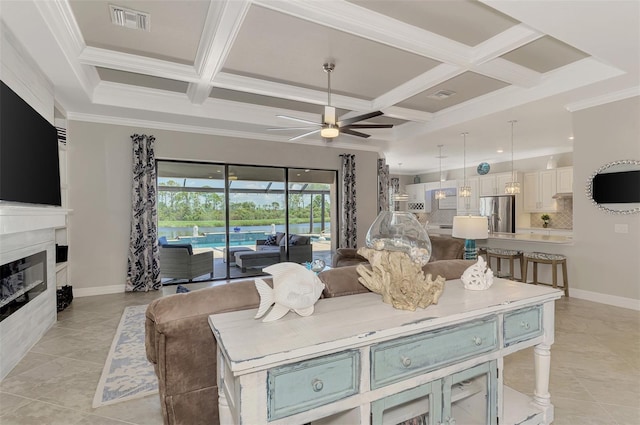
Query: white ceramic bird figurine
point(294, 288)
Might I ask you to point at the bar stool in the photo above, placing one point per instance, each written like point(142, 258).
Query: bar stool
point(544, 258)
point(507, 254)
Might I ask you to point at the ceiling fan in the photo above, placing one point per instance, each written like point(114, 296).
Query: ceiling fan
point(330, 127)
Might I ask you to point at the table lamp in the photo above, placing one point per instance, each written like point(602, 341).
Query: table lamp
point(470, 228)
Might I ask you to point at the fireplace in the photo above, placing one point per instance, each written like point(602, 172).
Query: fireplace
point(27, 278)
point(21, 281)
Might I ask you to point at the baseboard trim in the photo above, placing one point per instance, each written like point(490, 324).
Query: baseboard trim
point(98, 290)
point(597, 297)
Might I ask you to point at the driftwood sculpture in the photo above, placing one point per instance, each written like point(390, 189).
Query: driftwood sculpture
point(399, 279)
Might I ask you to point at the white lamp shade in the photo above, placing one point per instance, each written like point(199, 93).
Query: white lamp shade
point(470, 227)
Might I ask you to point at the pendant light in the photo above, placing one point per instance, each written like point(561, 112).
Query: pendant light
point(440, 194)
point(400, 196)
point(512, 187)
point(465, 190)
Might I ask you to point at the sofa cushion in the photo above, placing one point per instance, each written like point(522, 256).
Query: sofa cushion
point(344, 280)
point(299, 240)
point(271, 240)
point(180, 245)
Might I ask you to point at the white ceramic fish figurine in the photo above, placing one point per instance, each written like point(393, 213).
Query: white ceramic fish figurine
point(476, 278)
point(294, 288)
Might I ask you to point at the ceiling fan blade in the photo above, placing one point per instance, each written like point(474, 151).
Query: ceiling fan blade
point(303, 135)
point(290, 128)
point(362, 117)
point(298, 119)
point(369, 126)
point(354, 133)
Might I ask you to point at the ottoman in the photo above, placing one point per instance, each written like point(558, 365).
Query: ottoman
point(260, 259)
point(230, 256)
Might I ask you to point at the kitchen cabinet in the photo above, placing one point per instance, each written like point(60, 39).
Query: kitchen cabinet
point(418, 201)
point(469, 205)
point(493, 184)
point(539, 188)
point(564, 178)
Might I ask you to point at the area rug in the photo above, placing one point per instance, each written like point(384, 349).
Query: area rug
point(127, 373)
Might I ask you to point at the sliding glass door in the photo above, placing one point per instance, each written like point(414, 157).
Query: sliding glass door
point(247, 217)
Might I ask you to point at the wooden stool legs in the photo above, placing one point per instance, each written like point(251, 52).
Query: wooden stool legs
point(552, 259)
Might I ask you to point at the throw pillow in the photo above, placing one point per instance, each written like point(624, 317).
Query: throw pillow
point(182, 289)
point(162, 240)
point(279, 238)
point(271, 240)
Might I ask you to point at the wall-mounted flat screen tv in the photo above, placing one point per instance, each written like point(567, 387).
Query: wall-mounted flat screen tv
point(29, 165)
point(617, 188)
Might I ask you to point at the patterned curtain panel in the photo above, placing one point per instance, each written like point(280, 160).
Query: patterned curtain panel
point(348, 228)
point(383, 185)
point(394, 187)
point(143, 267)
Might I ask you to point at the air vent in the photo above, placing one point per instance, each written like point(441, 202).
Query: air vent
point(441, 94)
point(130, 18)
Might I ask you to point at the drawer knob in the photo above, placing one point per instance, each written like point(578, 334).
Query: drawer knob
point(477, 340)
point(406, 361)
point(525, 325)
point(317, 385)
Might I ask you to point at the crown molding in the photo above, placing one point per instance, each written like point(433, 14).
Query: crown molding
point(604, 99)
point(222, 24)
point(509, 72)
point(63, 27)
point(361, 22)
point(184, 128)
point(121, 61)
point(437, 75)
point(508, 40)
point(268, 88)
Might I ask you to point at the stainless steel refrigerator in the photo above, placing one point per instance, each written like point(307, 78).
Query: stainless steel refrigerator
point(501, 212)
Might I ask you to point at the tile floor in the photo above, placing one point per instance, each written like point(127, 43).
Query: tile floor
point(595, 367)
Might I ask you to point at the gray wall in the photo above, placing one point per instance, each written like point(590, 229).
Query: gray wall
point(607, 262)
point(99, 169)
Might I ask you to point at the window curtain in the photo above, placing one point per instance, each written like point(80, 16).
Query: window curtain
point(383, 185)
point(348, 228)
point(143, 267)
point(394, 188)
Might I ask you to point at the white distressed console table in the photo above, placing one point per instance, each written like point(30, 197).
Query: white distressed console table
point(357, 360)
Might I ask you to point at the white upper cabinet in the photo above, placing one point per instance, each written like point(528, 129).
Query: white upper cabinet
point(565, 179)
point(493, 184)
point(539, 188)
point(417, 201)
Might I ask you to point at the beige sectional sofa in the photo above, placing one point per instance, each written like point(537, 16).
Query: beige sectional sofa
point(181, 346)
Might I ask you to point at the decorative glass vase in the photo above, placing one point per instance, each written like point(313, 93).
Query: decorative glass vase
point(400, 231)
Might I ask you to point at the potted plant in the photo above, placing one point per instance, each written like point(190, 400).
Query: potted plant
point(545, 220)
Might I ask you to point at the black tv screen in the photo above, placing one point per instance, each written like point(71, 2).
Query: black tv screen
point(29, 165)
point(617, 188)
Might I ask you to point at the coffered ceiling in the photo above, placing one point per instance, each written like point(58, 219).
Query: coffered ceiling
point(229, 67)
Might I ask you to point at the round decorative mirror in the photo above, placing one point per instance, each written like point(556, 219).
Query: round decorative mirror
point(615, 187)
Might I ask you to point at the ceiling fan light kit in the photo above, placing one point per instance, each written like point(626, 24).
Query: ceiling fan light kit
point(330, 127)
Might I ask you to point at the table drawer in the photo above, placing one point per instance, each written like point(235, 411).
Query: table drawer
point(399, 359)
point(522, 325)
point(303, 386)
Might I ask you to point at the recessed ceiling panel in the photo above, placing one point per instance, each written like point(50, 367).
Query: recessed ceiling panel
point(148, 81)
point(465, 21)
point(278, 47)
point(176, 27)
point(545, 54)
point(464, 87)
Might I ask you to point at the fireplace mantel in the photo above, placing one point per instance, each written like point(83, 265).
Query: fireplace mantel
point(18, 218)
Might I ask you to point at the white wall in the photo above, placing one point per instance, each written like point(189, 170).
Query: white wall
point(99, 169)
point(607, 263)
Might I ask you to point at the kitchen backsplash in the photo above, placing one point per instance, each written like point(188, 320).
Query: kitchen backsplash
point(436, 216)
point(563, 219)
